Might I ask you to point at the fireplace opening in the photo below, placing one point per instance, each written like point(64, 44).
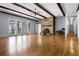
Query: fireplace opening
point(46, 31)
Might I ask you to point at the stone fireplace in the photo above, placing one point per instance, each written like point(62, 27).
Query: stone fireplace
point(47, 25)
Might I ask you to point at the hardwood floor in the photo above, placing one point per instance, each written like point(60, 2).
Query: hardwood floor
point(39, 45)
point(71, 44)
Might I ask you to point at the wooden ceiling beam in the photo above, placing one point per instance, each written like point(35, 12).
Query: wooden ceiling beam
point(37, 4)
point(18, 12)
point(60, 7)
point(28, 9)
point(17, 15)
point(78, 7)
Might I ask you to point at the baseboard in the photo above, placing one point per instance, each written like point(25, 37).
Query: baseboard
point(19, 35)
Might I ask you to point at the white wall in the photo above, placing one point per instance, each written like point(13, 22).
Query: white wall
point(66, 26)
point(59, 23)
point(34, 26)
point(78, 24)
point(3, 24)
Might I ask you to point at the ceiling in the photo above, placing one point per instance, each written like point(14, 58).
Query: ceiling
point(33, 11)
point(70, 9)
point(53, 8)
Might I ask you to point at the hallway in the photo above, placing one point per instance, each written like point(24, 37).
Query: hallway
point(40, 45)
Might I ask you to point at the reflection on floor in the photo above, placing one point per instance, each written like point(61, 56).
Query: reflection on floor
point(71, 44)
point(39, 45)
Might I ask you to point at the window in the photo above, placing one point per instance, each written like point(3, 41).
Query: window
point(23, 27)
point(12, 27)
point(19, 26)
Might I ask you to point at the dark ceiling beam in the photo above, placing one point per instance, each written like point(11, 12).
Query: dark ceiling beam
point(17, 15)
point(28, 9)
point(44, 9)
point(60, 7)
point(78, 7)
point(18, 12)
point(54, 26)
